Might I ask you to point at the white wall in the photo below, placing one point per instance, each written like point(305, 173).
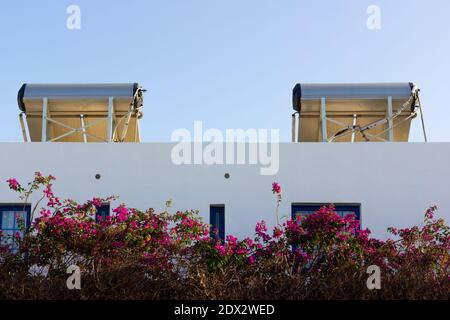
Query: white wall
point(394, 182)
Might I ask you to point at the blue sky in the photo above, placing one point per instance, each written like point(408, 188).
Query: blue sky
point(230, 63)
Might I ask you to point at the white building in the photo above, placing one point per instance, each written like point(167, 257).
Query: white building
point(389, 183)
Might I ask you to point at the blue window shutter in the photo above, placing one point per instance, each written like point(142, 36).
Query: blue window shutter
point(103, 212)
point(217, 221)
point(306, 209)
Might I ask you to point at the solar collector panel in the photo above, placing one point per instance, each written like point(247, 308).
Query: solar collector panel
point(364, 103)
point(68, 103)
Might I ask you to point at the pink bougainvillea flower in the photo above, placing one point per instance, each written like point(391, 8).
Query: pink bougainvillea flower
point(277, 232)
point(260, 228)
point(220, 249)
point(13, 184)
point(320, 238)
point(97, 202)
point(122, 213)
point(276, 188)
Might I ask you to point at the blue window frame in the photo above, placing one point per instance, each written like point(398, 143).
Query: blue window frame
point(9, 222)
point(102, 212)
point(217, 221)
point(341, 209)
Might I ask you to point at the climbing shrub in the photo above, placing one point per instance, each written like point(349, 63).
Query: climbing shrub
point(136, 254)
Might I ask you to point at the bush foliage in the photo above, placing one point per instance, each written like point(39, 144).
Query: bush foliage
point(137, 254)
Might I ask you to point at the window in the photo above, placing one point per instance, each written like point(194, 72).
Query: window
point(217, 221)
point(341, 209)
point(10, 217)
point(102, 212)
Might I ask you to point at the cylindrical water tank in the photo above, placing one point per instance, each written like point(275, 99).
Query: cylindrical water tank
point(75, 96)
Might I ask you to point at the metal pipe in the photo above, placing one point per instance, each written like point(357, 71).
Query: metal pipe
point(83, 129)
point(323, 116)
point(354, 125)
point(422, 119)
point(390, 124)
point(22, 125)
point(293, 128)
point(110, 120)
point(44, 119)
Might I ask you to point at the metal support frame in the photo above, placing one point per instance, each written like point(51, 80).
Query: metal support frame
point(44, 119)
point(74, 130)
point(22, 125)
point(83, 129)
point(111, 125)
point(419, 104)
point(387, 122)
point(323, 116)
point(109, 133)
point(137, 132)
point(355, 118)
point(390, 124)
point(125, 126)
point(294, 126)
point(350, 132)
